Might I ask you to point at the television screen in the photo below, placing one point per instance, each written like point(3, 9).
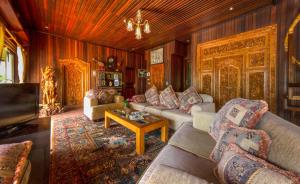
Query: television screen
point(18, 103)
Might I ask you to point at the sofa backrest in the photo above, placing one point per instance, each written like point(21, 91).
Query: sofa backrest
point(285, 147)
point(205, 97)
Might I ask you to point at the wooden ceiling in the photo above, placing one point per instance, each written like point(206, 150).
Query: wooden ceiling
point(101, 21)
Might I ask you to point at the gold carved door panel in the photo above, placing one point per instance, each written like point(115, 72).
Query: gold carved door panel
point(74, 88)
point(228, 79)
point(242, 65)
point(75, 81)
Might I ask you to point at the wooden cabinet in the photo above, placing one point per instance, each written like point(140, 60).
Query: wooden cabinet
point(242, 65)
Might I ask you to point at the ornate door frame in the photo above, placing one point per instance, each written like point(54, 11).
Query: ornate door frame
point(83, 66)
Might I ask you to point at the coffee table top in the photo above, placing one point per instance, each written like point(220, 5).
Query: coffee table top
point(148, 120)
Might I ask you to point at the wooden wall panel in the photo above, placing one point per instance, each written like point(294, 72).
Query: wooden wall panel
point(170, 48)
point(48, 49)
point(281, 14)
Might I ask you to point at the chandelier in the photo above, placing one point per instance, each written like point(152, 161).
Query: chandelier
point(137, 24)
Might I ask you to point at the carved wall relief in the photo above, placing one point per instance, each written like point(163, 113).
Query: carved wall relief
point(242, 65)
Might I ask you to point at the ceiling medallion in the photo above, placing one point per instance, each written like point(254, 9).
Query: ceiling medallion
point(137, 24)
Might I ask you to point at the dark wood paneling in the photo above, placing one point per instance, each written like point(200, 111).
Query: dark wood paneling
point(282, 14)
point(170, 48)
point(47, 50)
point(101, 22)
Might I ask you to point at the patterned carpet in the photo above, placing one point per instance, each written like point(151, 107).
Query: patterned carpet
point(83, 151)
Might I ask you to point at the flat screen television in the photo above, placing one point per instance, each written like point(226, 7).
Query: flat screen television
point(19, 103)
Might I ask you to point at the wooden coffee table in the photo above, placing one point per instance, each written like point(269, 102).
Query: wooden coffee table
point(139, 128)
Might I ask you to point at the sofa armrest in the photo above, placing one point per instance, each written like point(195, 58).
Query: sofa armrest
point(89, 101)
point(168, 175)
point(118, 99)
point(203, 107)
point(202, 120)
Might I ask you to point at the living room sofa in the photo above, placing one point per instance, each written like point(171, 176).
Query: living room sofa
point(176, 117)
point(95, 111)
point(186, 156)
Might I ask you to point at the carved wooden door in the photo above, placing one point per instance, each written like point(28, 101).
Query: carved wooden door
point(75, 81)
point(228, 79)
point(74, 88)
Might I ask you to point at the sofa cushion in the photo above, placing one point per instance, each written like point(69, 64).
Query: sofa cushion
point(152, 96)
point(169, 175)
point(285, 149)
point(202, 120)
point(156, 110)
point(188, 98)
point(177, 115)
point(139, 106)
point(203, 107)
point(13, 161)
point(239, 112)
point(106, 96)
point(237, 166)
point(139, 99)
point(255, 142)
point(193, 140)
point(177, 158)
point(169, 98)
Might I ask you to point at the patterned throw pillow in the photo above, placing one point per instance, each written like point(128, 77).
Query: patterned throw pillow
point(188, 98)
point(239, 112)
point(152, 96)
point(139, 99)
point(13, 159)
point(237, 166)
point(106, 96)
point(169, 98)
point(256, 142)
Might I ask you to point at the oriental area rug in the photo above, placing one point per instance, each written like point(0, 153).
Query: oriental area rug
point(83, 151)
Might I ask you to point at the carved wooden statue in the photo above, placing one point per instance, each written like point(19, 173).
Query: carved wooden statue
point(49, 88)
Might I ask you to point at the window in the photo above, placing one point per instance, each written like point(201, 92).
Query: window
point(7, 68)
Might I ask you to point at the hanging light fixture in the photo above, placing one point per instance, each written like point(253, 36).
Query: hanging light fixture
point(137, 24)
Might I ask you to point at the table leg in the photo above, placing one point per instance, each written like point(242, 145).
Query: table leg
point(140, 142)
point(107, 121)
point(164, 133)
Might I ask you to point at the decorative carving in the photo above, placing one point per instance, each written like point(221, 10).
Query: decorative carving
point(230, 61)
point(228, 78)
point(236, 45)
point(256, 85)
point(207, 64)
point(75, 74)
point(206, 84)
point(256, 59)
point(49, 90)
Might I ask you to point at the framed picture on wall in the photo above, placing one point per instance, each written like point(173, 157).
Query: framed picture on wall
point(157, 56)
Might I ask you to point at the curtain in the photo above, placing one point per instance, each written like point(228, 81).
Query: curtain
point(21, 63)
point(2, 32)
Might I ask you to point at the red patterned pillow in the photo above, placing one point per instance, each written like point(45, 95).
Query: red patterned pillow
point(138, 99)
point(237, 166)
point(256, 142)
point(13, 158)
point(188, 98)
point(239, 112)
point(169, 98)
point(152, 96)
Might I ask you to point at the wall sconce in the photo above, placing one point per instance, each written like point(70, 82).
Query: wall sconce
point(94, 73)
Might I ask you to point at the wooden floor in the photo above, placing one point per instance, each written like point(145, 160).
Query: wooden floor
point(38, 131)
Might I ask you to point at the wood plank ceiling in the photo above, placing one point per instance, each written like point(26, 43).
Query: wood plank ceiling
point(101, 21)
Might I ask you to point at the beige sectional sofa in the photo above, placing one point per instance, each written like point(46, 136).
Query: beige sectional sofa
point(176, 117)
point(95, 111)
point(186, 155)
